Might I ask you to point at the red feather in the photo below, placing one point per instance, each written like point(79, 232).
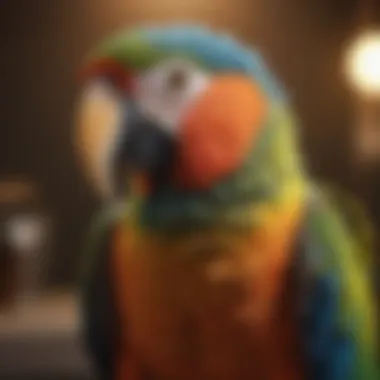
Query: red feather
point(108, 68)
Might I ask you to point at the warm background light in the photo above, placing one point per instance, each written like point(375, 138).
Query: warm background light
point(364, 63)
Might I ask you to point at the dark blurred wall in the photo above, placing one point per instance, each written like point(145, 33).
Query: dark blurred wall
point(42, 44)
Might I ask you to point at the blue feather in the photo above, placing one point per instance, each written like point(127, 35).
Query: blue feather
point(330, 354)
point(221, 53)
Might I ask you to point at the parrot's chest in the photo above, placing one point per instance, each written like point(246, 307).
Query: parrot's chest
point(207, 308)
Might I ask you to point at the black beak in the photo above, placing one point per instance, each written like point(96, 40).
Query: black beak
point(144, 148)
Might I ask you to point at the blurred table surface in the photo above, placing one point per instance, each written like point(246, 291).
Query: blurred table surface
point(40, 338)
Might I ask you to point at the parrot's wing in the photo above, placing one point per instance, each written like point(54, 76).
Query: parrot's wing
point(99, 316)
point(340, 319)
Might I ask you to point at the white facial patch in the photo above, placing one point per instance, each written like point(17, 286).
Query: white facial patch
point(165, 92)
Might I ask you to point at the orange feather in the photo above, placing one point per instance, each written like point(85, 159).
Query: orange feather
point(219, 130)
point(164, 283)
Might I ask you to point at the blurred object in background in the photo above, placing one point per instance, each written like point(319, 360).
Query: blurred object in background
point(38, 323)
point(41, 341)
point(363, 68)
point(24, 241)
point(27, 236)
point(364, 63)
point(363, 73)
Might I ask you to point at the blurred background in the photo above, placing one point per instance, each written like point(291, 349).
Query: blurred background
point(45, 202)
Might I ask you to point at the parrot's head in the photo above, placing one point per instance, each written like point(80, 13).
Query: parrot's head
point(181, 110)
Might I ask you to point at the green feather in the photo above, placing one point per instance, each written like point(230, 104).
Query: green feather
point(134, 52)
point(340, 257)
point(356, 219)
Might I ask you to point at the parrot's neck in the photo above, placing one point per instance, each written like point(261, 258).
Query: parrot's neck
point(176, 213)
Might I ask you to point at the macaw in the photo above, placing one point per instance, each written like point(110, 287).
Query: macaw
point(215, 256)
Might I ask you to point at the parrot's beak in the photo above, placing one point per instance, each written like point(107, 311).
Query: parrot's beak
point(145, 154)
point(98, 117)
point(121, 149)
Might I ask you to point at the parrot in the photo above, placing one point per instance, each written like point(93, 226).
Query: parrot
point(215, 254)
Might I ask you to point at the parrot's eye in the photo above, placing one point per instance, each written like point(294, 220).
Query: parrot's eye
point(165, 92)
point(177, 80)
